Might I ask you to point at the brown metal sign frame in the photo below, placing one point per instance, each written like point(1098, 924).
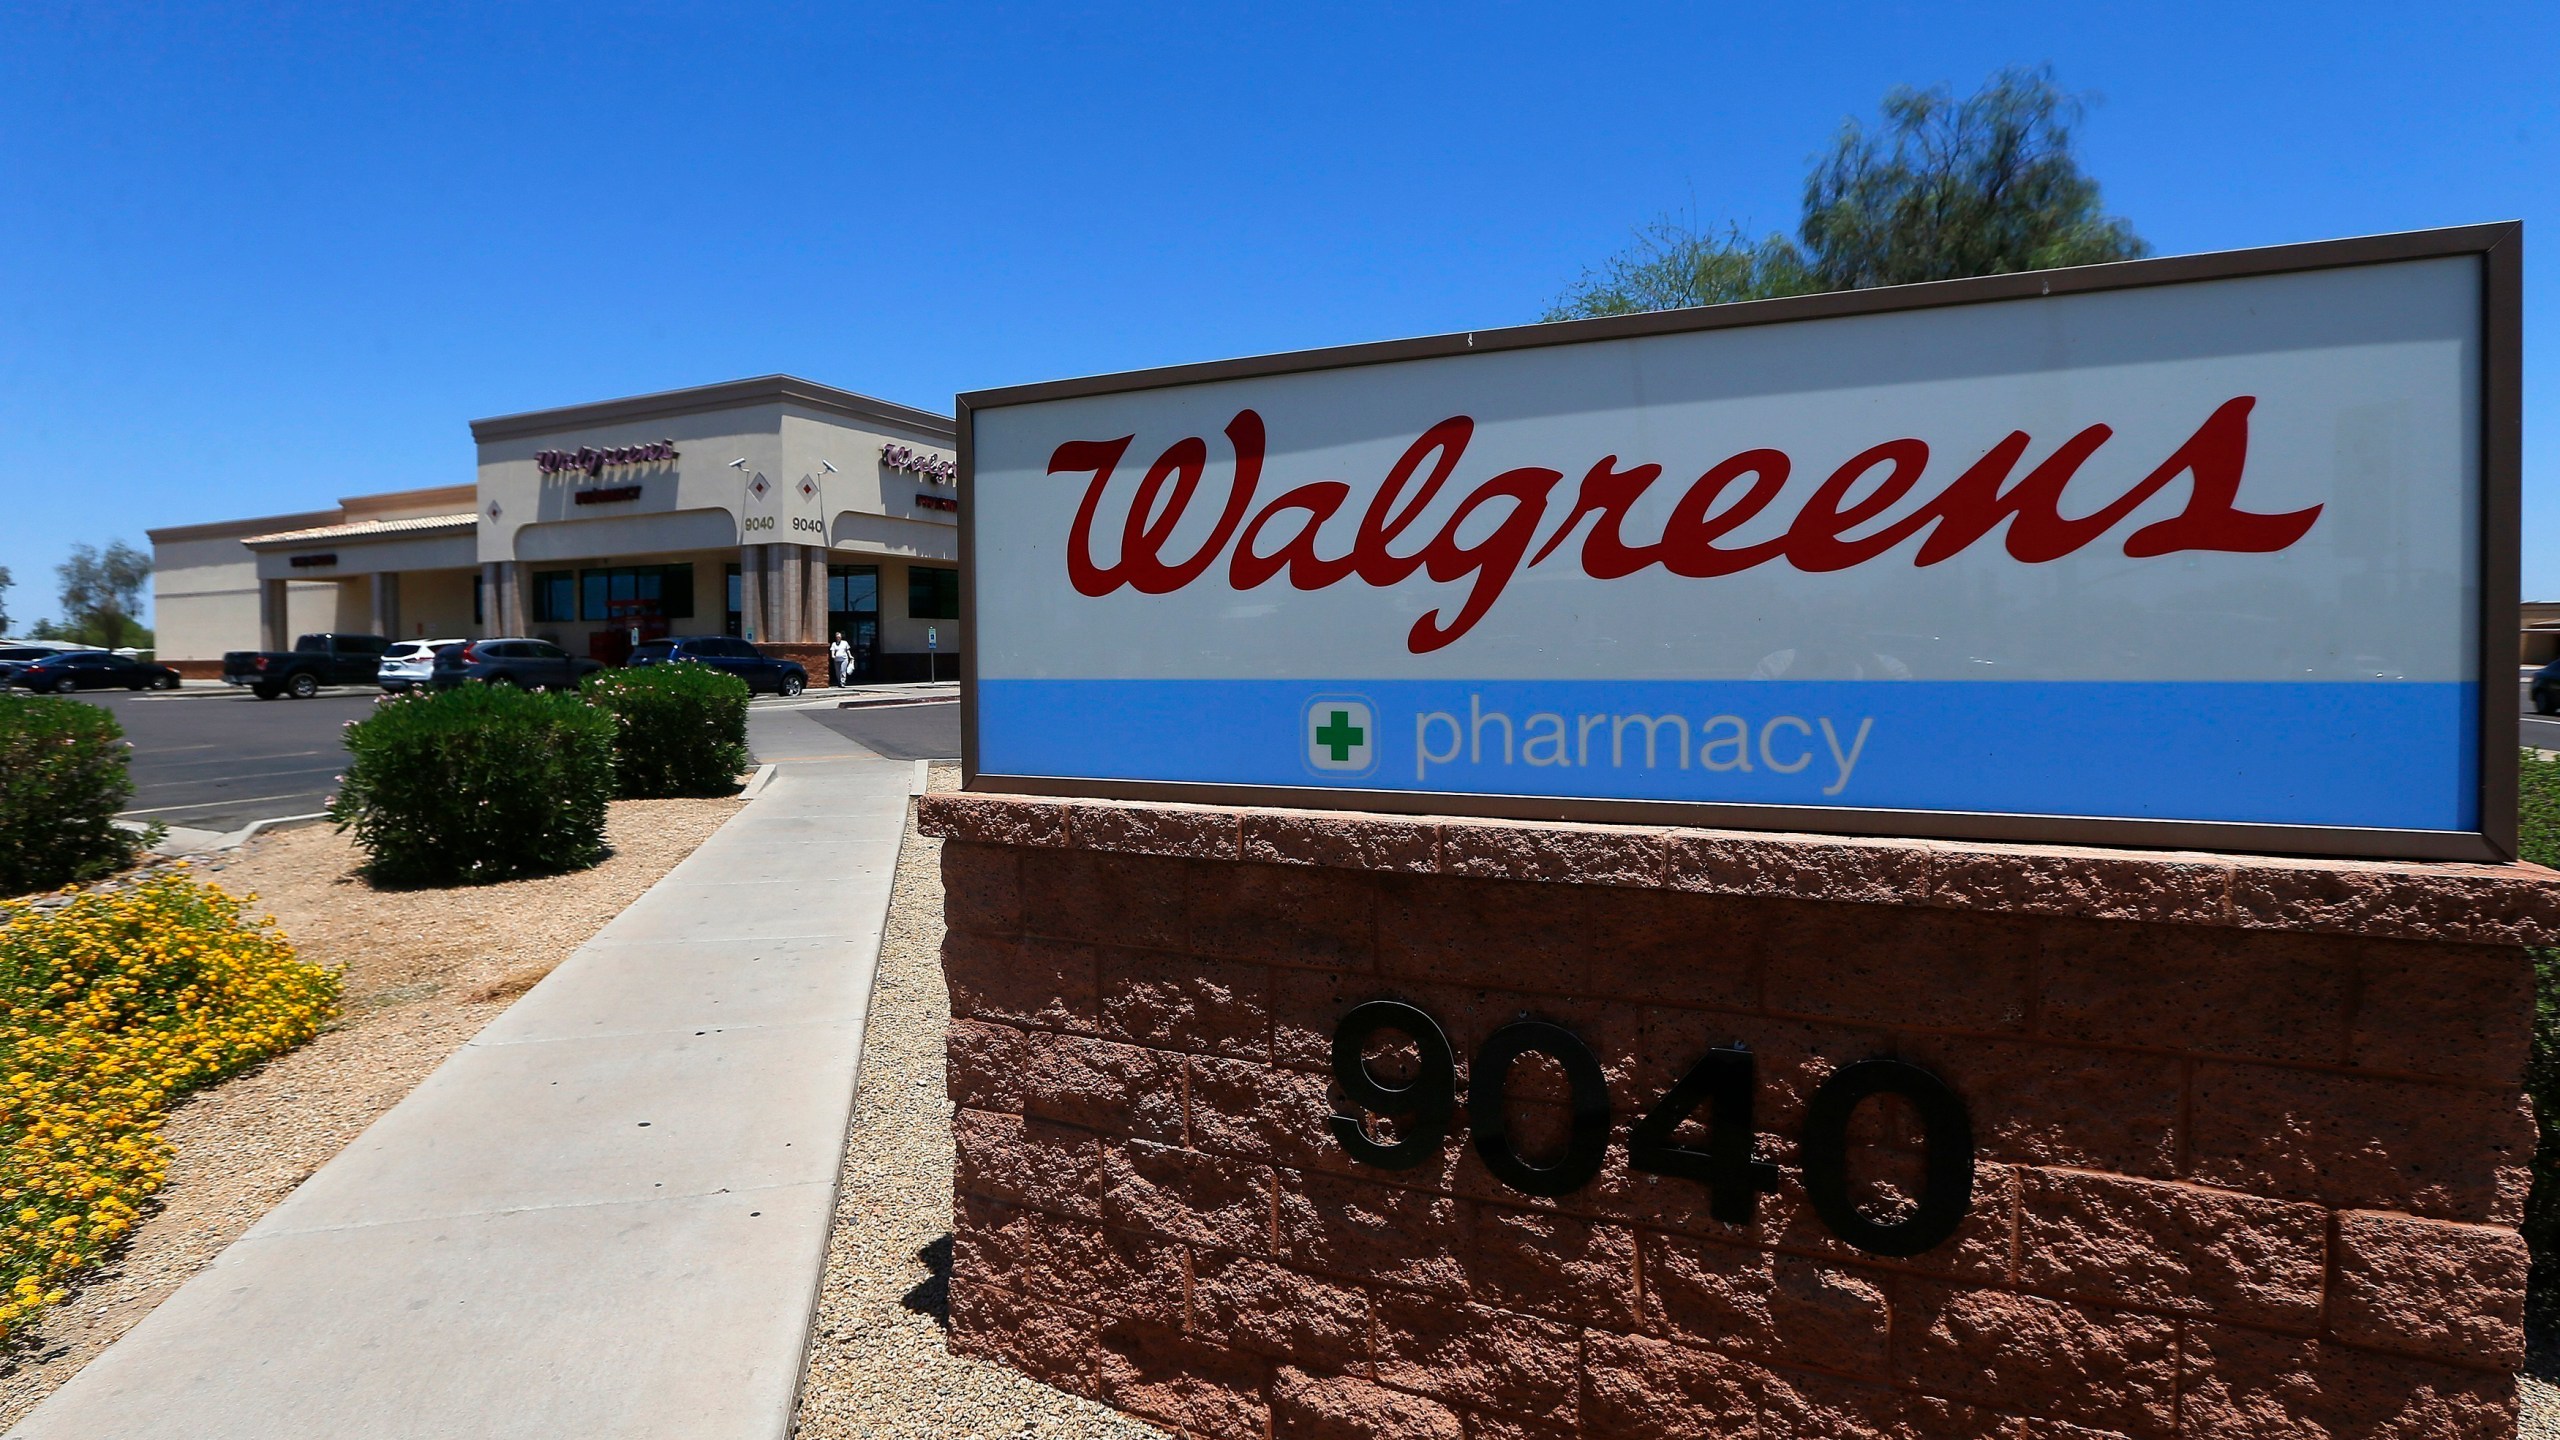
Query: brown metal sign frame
point(2498, 247)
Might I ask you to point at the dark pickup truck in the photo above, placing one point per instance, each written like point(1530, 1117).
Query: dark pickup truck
point(314, 661)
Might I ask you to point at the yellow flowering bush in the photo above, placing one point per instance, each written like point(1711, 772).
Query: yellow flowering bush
point(111, 1007)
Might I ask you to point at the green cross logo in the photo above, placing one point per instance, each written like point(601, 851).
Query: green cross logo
point(1340, 735)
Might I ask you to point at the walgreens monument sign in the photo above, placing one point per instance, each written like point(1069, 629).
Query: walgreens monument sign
point(2199, 551)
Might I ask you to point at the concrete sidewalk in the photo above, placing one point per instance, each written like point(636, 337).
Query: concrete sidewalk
point(606, 1215)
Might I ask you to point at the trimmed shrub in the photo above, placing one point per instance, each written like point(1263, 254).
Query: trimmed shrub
point(111, 1007)
point(2538, 836)
point(62, 780)
point(678, 729)
point(477, 784)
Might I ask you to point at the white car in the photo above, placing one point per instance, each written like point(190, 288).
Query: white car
point(410, 662)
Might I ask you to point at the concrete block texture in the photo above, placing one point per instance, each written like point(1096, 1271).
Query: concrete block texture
point(2248, 1136)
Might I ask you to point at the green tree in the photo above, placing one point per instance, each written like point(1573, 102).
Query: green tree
point(5, 583)
point(1941, 189)
point(102, 594)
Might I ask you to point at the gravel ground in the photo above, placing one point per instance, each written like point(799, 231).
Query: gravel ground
point(2540, 1413)
point(2541, 1418)
point(425, 970)
point(879, 1367)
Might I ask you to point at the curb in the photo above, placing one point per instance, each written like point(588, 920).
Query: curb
point(233, 840)
point(756, 782)
point(215, 689)
point(256, 828)
point(903, 700)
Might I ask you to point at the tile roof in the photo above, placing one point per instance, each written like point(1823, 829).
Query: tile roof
point(368, 529)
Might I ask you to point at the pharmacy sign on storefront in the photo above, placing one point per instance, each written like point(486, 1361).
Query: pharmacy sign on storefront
point(2206, 551)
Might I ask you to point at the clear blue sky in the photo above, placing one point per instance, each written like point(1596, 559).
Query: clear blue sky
point(257, 257)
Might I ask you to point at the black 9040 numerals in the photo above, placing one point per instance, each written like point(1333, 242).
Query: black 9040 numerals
point(1724, 1082)
point(1420, 1109)
point(1489, 1114)
point(1946, 1194)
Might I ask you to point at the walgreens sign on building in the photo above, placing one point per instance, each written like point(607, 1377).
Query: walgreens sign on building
point(2209, 550)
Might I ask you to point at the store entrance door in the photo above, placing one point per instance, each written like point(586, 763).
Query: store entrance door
point(853, 611)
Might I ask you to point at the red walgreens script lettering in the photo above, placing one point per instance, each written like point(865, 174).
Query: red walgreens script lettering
point(1280, 539)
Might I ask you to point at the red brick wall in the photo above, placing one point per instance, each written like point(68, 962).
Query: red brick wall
point(812, 656)
point(2250, 1143)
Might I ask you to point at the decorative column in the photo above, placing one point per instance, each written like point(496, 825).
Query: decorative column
point(782, 595)
point(271, 615)
point(751, 592)
point(816, 609)
point(386, 606)
point(769, 617)
point(511, 596)
point(788, 574)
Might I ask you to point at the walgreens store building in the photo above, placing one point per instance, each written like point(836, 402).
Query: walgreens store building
point(777, 510)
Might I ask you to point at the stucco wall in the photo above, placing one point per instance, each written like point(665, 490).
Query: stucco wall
point(204, 597)
point(436, 604)
point(201, 624)
point(698, 479)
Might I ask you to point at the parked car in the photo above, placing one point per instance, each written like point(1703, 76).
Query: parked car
point(64, 671)
point(760, 671)
point(14, 658)
point(514, 660)
point(2546, 689)
point(314, 661)
point(411, 663)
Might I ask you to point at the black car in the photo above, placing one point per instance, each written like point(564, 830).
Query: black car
point(2546, 689)
point(737, 657)
point(530, 664)
point(67, 670)
point(14, 658)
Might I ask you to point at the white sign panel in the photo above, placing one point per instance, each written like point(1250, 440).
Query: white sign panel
point(2147, 557)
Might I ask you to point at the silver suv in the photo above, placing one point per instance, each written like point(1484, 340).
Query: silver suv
point(408, 663)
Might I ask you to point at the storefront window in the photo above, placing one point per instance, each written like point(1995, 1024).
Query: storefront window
point(852, 589)
point(853, 611)
point(552, 595)
point(617, 591)
point(933, 594)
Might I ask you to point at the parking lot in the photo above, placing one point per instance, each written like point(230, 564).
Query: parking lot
point(212, 758)
point(2539, 732)
point(927, 730)
point(209, 757)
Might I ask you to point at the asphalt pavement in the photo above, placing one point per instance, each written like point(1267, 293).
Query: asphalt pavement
point(2535, 731)
point(212, 758)
point(927, 730)
point(219, 760)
